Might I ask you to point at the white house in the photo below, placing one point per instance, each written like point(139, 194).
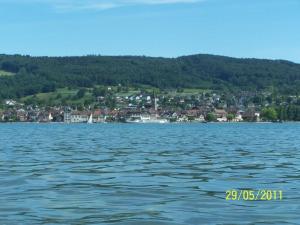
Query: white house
point(10, 102)
point(76, 117)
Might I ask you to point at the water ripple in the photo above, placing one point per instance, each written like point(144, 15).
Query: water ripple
point(147, 174)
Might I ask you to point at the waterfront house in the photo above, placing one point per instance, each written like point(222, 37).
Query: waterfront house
point(79, 117)
point(182, 118)
point(1, 116)
point(32, 115)
point(238, 118)
point(76, 117)
point(200, 118)
point(45, 117)
point(57, 115)
point(21, 115)
point(221, 115)
point(9, 116)
point(98, 116)
point(251, 115)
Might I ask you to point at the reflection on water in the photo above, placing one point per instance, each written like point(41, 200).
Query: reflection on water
point(147, 174)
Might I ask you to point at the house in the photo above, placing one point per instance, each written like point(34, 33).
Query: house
point(21, 115)
point(76, 117)
point(56, 115)
point(251, 115)
point(221, 115)
point(45, 117)
point(9, 116)
point(32, 115)
point(1, 116)
point(201, 118)
point(79, 117)
point(257, 116)
point(238, 118)
point(192, 112)
point(182, 118)
point(10, 102)
point(67, 117)
point(99, 116)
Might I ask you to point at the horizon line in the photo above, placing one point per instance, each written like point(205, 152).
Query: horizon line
point(146, 56)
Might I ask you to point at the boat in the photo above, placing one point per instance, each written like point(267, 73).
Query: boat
point(90, 121)
point(146, 119)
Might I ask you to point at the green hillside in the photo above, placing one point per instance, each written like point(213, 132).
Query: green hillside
point(46, 74)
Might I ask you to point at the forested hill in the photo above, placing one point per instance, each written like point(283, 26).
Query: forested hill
point(25, 75)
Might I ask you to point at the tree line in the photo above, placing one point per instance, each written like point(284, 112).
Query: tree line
point(281, 113)
point(34, 75)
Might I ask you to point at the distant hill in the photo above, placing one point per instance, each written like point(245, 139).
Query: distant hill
point(24, 75)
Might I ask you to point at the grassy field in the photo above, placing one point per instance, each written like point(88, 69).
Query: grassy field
point(4, 73)
point(60, 95)
point(64, 92)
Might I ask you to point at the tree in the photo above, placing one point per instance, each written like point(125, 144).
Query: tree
point(31, 75)
point(58, 96)
point(111, 102)
point(99, 92)
point(230, 117)
point(269, 114)
point(80, 94)
point(282, 113)
point(210, 117)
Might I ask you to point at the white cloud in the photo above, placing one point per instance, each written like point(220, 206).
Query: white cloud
point(76, 5)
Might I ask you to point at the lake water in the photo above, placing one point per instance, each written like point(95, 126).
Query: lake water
point(147, 174)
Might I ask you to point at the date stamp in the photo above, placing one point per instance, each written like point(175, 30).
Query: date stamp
point(254, 195)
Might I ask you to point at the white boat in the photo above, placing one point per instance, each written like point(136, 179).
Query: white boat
point(146, 119)
point(153, 118)
point(90, 121)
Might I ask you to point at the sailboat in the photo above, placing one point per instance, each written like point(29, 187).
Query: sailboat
point(90, 121)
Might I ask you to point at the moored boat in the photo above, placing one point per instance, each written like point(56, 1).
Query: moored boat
point(146, 119)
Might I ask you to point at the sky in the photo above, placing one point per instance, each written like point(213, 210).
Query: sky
point(166, 28)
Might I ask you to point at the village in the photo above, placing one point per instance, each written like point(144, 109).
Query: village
point(141, 107)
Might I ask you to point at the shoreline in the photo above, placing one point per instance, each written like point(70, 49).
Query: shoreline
point(245, 122)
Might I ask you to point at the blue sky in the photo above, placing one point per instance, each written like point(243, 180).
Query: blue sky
point(168, 28)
